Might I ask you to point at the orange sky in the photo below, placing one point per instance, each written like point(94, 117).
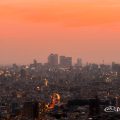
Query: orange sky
point(81, 28)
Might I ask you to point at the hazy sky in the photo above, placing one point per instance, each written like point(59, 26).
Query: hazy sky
point(89, 29)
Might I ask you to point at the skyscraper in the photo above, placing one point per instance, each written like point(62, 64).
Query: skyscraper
point(69, 61)
point(79, 62)
point(65, 61)
point(53, 59)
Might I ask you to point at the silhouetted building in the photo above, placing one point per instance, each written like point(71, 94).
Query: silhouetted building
point(65, 61)
point(15, 109)
point(53, 59)
point(115, 67)
point(35, 63)
point(79, 62)
point(23, 73)
point(31, 110)
point(94, 106)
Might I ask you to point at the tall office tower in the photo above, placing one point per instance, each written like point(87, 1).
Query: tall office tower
point(53, 59)
point(65, 61)
point(62, 60)
point(69, 61)
point(79, 62)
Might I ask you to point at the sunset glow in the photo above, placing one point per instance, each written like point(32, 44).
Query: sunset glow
point(35, 28)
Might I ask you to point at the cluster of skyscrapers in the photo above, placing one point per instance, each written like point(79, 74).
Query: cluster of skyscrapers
point(55, 59)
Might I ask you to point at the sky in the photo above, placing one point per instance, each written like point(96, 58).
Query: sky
point(32, 29)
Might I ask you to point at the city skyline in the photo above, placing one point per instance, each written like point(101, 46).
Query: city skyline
point(54, 59)
point(33, 29)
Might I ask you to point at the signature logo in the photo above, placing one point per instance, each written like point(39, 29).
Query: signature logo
point(112, 109)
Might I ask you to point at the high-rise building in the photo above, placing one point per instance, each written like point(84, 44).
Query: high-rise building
point(62, 60)
point(115, 67)
point(69, 61)
point(65, 61)
point(79, 62)
point(53, 59)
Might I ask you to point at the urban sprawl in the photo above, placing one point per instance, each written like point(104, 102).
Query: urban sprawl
point(59, 90)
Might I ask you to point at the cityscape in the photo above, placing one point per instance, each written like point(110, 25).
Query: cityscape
point(59, 90)
point(59, 60)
